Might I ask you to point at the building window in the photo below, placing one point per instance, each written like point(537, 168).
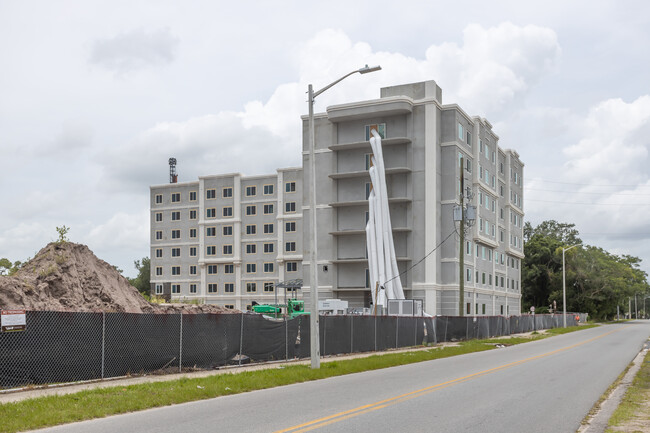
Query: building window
point(159, 270)
point(268, 189)
point(379, 127)
point(176, 234)
point(193, 214)
point(176, 197)
point(368, 157)
point(268, 248)
point(251, 248)
point(483, 278)
point(268, 287)
point(210, 194)
point(159, 235)
point(176, 252)
point(469, 138)
point(159, 200)
point(251, 287)
point(290, 226)
point(227, 230)
point(268, 267)
point(212, 287)
point(290, 187)
point(211, 250)
point(290, 207)
point(192, 269)
point(251, 191)
point(469, 275)
point(290, 247)
point(251, 229)
point(192, 233)
point(159, 217)
point(192, 288)
point(268, 209)
point(468, 248)
point(229, 269)
point(210, 212)
point(251, 268)
point(176, 270)
point(227, 192)
point(468, 308)
point(192, 251)
point(368, 189)
point(292, 266)
point(268, 228)
point(227, 211)
point(212, 269)
point(176, 288)
point(159, 253)
point(210, 231)
point(192, 195)
point(229, 288)
point(461, 132)
point(159, 289)
point(251, 210)
point(227, 250)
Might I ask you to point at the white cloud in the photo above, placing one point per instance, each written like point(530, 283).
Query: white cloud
point(134, 50)
point(122, 230)
point(615, 146)
point(266, 135)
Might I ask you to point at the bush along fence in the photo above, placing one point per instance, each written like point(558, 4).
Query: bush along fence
point(68, 347)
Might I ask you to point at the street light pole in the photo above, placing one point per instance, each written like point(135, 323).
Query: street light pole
point(313, 259)
point(564, 282)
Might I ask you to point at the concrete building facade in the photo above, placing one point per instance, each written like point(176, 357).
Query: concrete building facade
point(423, 141)
point(226, 239)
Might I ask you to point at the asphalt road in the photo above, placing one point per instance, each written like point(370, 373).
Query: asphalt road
point(543, 386)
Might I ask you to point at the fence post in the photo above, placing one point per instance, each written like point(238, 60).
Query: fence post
point(286, 339)
point(352, 334)
point(324, 335)
point(375, 332)
point(241, 337)
point(396, 332)
point(415, 333)
point(103, 339)
point(180, 347)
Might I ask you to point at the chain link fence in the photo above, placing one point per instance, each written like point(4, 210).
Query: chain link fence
point(60, 347)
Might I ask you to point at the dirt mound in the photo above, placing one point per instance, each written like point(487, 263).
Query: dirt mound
point(69, 277)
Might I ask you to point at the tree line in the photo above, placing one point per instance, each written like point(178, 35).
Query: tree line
point(597, 282)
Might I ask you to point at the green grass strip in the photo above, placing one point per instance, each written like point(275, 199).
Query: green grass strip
point(635, 401)
point(97, 403)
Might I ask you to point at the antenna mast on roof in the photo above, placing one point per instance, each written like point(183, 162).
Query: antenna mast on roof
point(173, 177)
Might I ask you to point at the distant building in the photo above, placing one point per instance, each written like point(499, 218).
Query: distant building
point(210, 239)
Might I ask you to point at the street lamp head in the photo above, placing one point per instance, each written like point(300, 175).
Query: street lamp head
point(367, 69)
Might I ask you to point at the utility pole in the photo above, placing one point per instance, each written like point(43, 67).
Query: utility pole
point(461, 267)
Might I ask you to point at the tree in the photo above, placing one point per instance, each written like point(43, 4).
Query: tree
point(5, 265)
point(141, 282)
point(63, 231)
point(596, 280)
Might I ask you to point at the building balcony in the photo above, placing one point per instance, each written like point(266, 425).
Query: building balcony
point(366, 144)
point(394, 200)
point(365, 260)
point(363, 231)
point(364, 173)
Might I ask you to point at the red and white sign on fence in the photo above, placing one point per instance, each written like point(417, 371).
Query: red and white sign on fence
point(13, 320)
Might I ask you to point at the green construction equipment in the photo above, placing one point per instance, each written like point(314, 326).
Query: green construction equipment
point(291, 307)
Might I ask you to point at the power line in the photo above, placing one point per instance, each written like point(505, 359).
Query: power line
point(422, 259)
point(581, 192)
point(590, 184)
point(589, 204)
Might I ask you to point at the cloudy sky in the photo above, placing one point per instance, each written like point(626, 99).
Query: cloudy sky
point(95, 96)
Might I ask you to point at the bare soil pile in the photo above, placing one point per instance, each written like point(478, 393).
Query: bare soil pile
point(69, 277)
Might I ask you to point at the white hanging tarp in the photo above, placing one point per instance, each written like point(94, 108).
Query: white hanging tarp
point(382, 262)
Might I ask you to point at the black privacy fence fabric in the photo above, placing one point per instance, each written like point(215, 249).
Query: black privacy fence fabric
point(69, 347)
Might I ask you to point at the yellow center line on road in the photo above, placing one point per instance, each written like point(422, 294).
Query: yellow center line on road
point(341, 416)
